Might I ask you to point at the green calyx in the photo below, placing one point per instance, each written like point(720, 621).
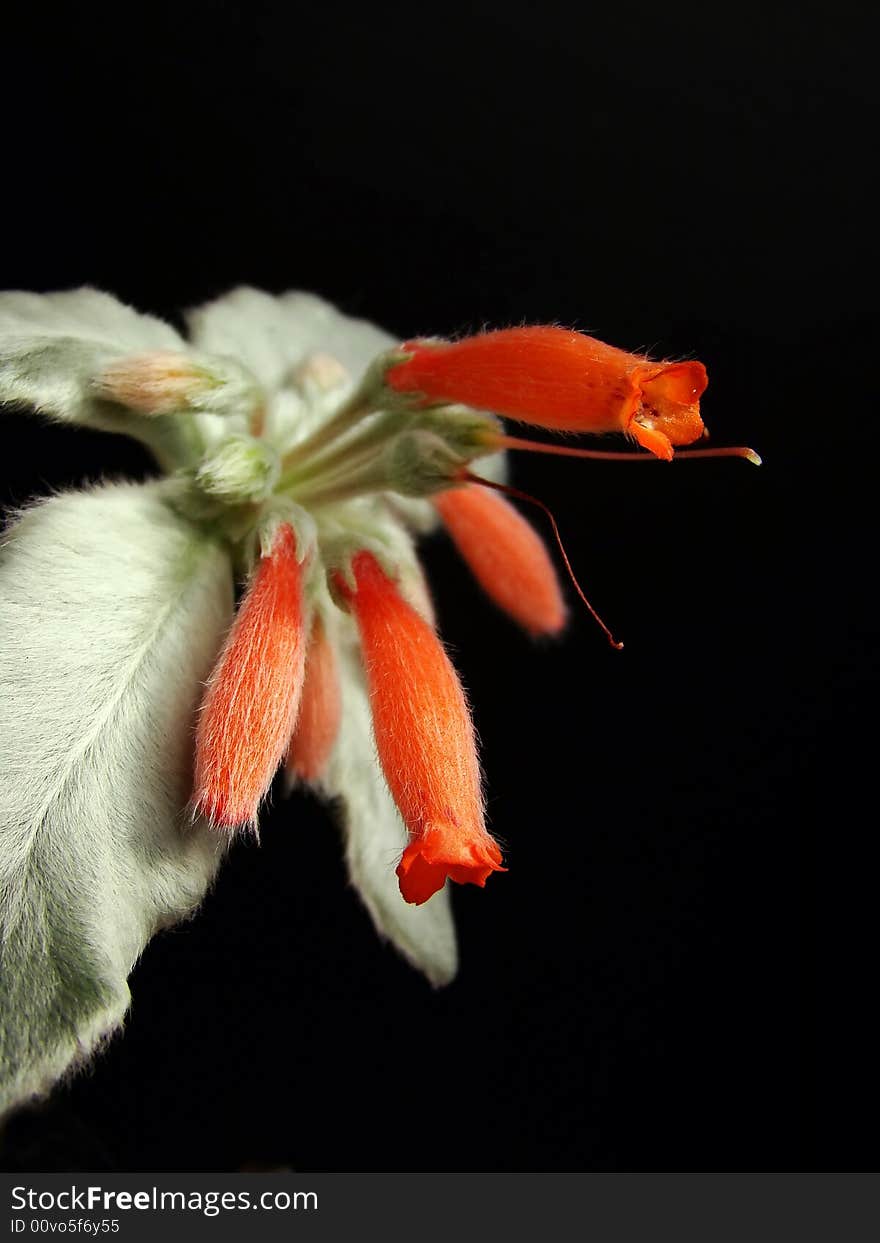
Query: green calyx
point(372, 444)
point(395, 447)
point(241, 468)
point(420, 463)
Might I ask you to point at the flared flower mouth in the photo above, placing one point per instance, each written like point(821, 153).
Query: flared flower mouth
point(669, 407)
point(444, 851)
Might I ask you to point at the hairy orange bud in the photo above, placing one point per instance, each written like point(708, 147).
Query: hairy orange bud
point(424, 737)
point(507, 556)
point(251, 703)
point(319, 712)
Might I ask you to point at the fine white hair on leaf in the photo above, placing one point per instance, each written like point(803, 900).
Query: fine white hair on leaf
point(86, 313)
point(66, 356)
point(112, 609)
point(376, 836)
point(52, 346)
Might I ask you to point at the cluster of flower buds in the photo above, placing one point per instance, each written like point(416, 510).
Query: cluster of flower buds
point(421, 415)
point(144, 715)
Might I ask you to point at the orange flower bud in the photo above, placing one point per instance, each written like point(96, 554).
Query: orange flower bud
point(251, 703)
point(561, 380)
point(320, 709)
point(507, 556)
point(424, 737)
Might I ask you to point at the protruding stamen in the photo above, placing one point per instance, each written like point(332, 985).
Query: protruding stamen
point(603, 455)
point(533, 500)
point(736, 451)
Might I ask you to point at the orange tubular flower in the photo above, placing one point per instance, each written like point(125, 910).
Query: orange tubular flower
point(562, 380)
point(506, 555)
point(320, 710)
point(251, 703)
point(424, 737)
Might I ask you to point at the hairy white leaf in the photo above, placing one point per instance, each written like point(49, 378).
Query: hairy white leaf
point(54, 346)
point(273, 335)
point(112, 609)
point(87, 314)
point(376, 837)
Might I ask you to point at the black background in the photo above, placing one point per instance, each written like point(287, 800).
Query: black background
point(639, 991)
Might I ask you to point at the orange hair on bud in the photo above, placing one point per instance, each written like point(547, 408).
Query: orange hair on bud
point(424, 737)
point(320, 709)
point(506, 555)
point(250, 705)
